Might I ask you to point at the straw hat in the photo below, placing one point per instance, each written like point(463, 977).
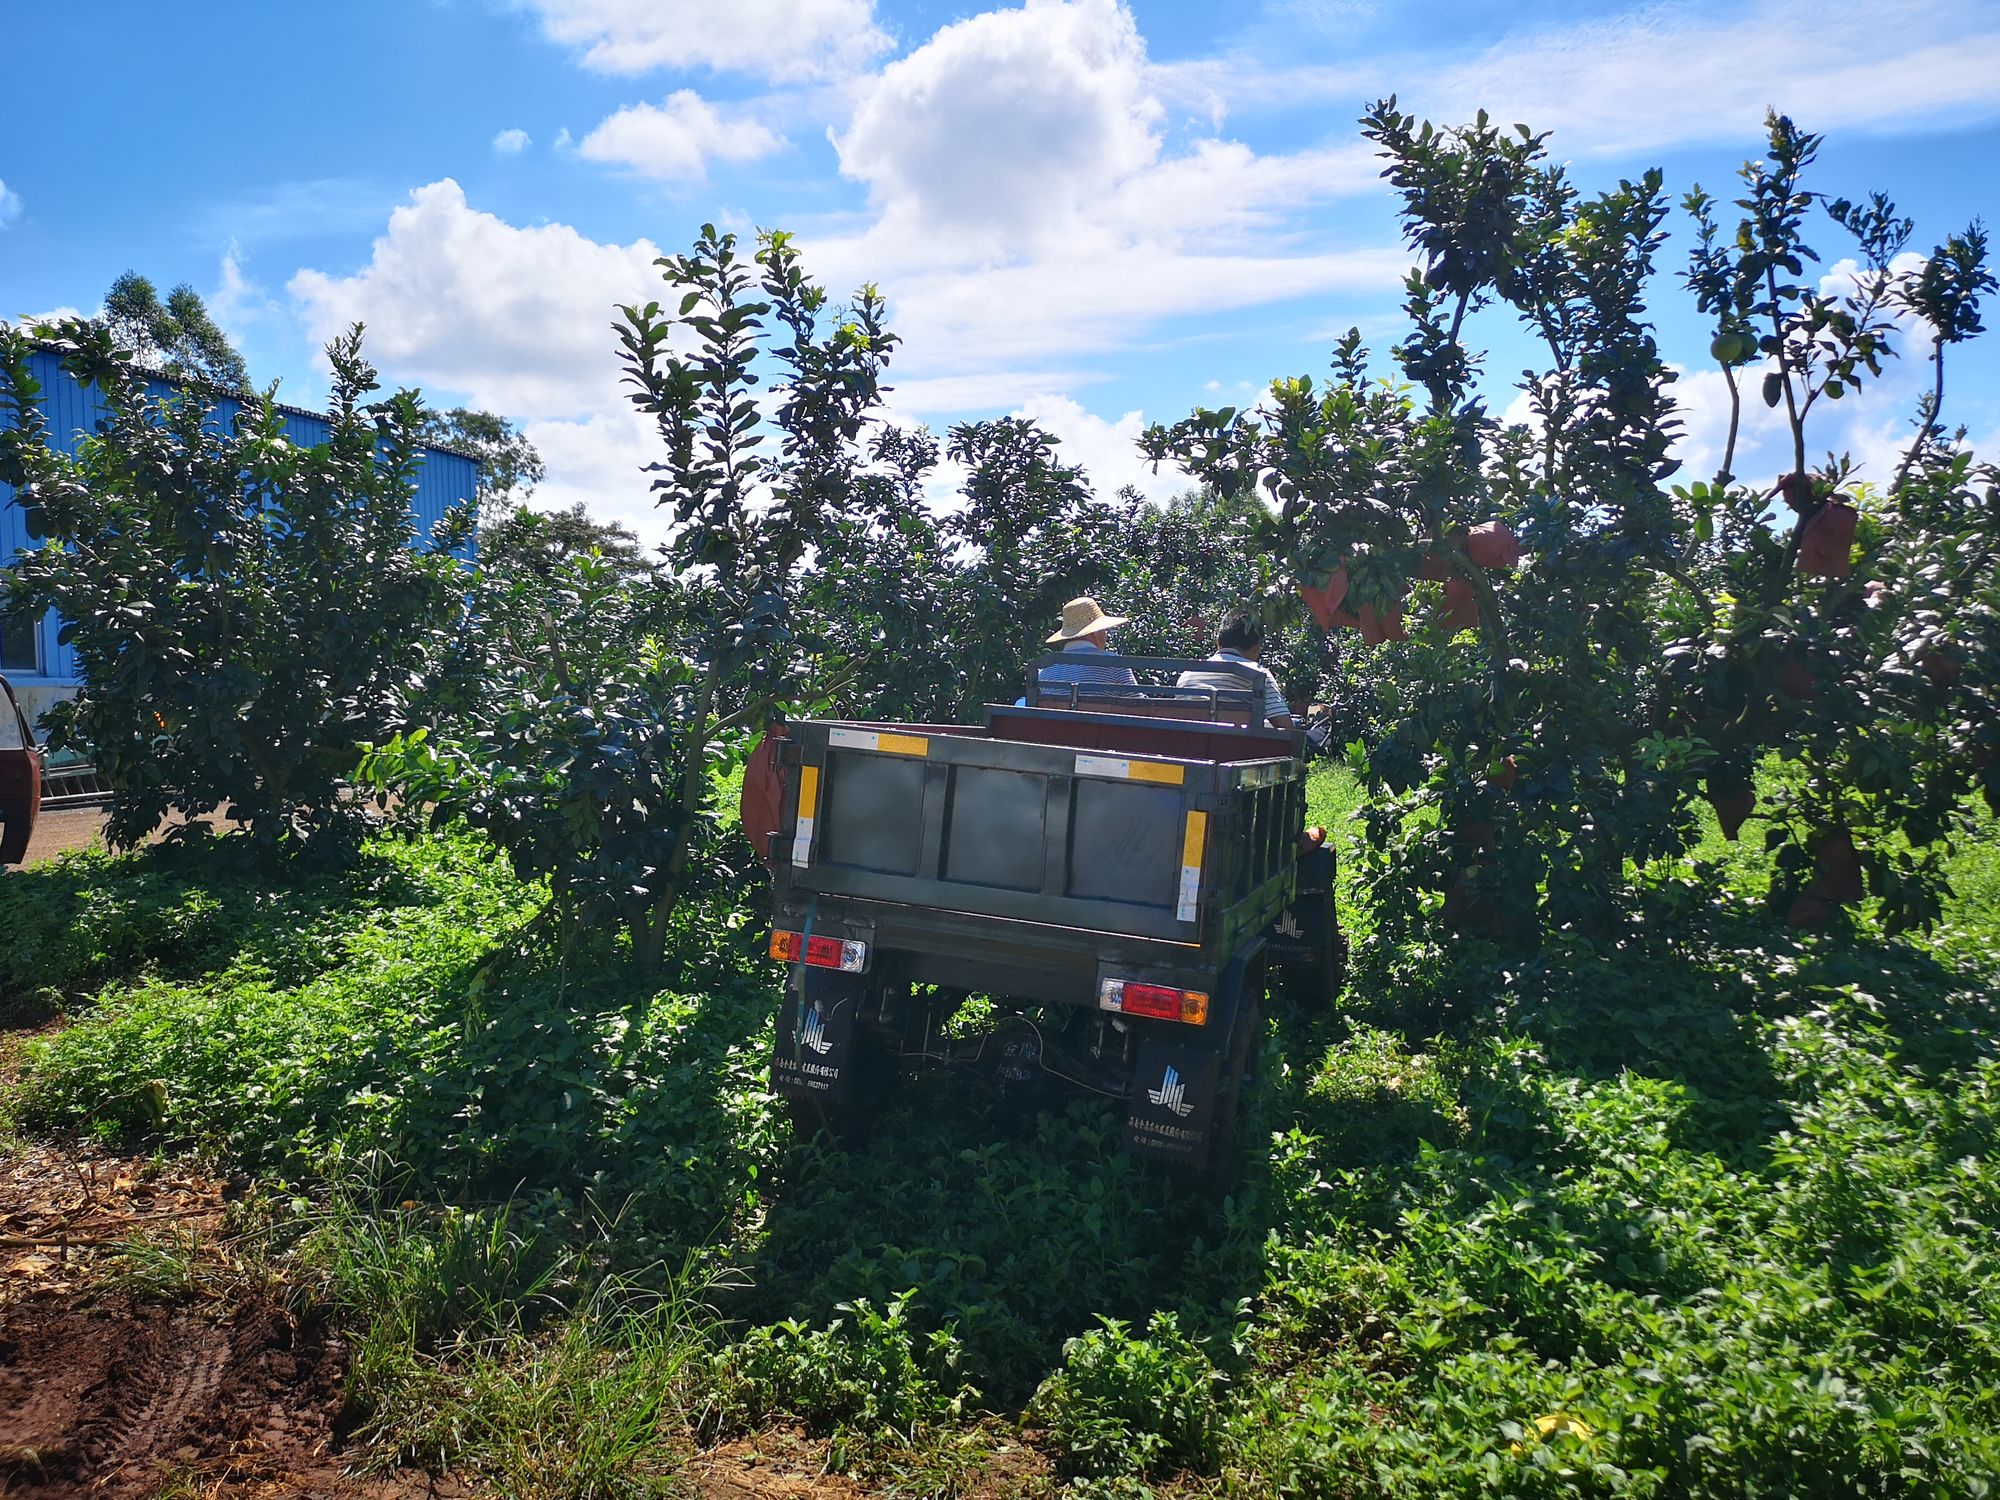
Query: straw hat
point(1082, 617)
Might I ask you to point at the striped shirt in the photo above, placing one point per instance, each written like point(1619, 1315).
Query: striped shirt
point(1274, 701)
point(1086, 671)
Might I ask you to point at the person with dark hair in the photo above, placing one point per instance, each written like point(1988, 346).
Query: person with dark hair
point(1242, 640)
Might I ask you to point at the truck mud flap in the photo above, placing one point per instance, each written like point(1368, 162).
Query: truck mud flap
point(1180, 1086)
point(815, 1054)
point(1171, 1114)
point(1304, 933)
point(1305, 941)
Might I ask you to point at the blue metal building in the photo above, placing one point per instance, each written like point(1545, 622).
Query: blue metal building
point(41, 667)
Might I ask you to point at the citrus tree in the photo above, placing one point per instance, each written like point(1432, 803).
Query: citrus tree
point(245, 612)
point(1590, 646)
point(1841, 620)
point(608, 702)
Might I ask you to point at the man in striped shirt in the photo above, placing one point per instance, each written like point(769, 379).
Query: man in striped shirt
point(1242, 640)
point(1086, 631)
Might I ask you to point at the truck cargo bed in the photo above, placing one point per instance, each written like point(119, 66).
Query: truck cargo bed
point(1101, 823)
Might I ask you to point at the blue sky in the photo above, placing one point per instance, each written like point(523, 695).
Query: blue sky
point(1095, 213)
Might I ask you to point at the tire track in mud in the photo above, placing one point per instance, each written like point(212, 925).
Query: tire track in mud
point(160, 1398)
point(108, 1401)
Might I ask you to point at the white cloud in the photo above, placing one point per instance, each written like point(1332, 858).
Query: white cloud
point(562, 141)
point(1661, 76)
point(959, 321)
point(237, 300)
point(780, 39)
point(600, 462)
point(518, 319)
point(1107, 451)
point(1004, 128)
point(10, 205)
point(1648, 77)
point(511, 142)
point(980, 391)
point(1028, 208)
point(675, 140)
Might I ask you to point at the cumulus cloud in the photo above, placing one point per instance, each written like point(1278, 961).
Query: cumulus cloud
point(675, 141)
point(511, 142)
point(599, 462)
point(10, 205)
point(517, 318)
point(777, 39)
point(1107, 450)
point(1028, 208)
point(1003, 128)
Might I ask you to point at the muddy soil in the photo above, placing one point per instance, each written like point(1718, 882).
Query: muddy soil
point(118, 1398)
point(121, 1378)
point(108, 1392)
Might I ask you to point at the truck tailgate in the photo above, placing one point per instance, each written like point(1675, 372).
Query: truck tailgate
point(1011, 829)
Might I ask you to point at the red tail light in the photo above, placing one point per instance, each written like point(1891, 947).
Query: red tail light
point(821, 952)
point(1159, 1001)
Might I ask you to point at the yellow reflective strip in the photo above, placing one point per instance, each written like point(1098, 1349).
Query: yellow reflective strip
point(1145, 770)
point(808, 791)
point(902, 744)
point(1197, 834)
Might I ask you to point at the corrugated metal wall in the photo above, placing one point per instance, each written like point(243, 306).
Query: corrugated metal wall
point(447, 479)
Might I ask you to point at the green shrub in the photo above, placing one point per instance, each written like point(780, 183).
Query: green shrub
point(1124, 1405)
point(243, 611)
point(1371, 1099)
point(867, 1377)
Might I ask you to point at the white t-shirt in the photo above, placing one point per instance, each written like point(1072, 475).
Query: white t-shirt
point(1274, 701)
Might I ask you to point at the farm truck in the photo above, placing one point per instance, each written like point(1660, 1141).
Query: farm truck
point(1117, 870)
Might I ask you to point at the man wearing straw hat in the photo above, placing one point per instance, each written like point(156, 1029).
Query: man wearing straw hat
point(1086, 631)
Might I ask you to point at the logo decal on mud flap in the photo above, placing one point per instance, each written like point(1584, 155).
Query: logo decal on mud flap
point(1288, 925)
point(811, 1032)
point(1172, 1093)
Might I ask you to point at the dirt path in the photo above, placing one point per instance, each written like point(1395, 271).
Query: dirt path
point(64, 829)
point(139, 1358)
point(120, 1372)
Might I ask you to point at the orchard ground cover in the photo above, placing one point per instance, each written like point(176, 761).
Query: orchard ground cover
point(1705, 1207)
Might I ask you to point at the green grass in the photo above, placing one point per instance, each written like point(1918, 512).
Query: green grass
point(1709, 1213)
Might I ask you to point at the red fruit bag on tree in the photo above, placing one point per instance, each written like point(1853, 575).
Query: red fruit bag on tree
point(1839, 873)
point(1797, 490)
point(1826, 544)
point(1492, 545)
point(1377, 627)
point(1461, 605)
point(1324, 601)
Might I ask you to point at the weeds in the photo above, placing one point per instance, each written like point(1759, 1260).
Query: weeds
point(1707, 1209)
